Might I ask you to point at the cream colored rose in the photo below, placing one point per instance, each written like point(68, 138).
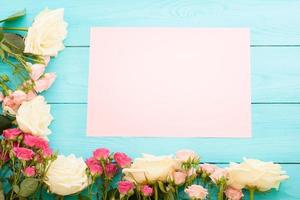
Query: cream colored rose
point(151, 168)
point(45, 36)
point(34, 117)
point(67, 175)
point(255, 173)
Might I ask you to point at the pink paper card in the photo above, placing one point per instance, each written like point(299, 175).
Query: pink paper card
point(169, 82)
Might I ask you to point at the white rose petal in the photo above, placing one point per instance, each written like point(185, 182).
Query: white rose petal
point(67, 175)
point(45, 36)
point(255, 173)
point(151, 168)
point(34, 117)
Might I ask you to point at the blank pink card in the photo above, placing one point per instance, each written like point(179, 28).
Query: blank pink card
point(169, 82)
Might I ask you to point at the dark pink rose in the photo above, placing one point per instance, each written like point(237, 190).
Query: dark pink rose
point(94, 166)
point(23, 153)
point(110, 170)
point(122, 159)
point(125, 187)
point(146, 191)
point(11, 134)
point(101, 154)
point(47, 152)
point(34, 141)
point(29, 171)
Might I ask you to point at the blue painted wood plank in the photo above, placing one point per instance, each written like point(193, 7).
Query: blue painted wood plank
point(271, 22)
point(276, 136)
point(275, 75)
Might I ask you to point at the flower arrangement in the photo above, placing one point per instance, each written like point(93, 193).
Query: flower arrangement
point(29, 169)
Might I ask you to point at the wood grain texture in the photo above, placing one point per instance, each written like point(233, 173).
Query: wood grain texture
point(272, 22)
point(275, 40)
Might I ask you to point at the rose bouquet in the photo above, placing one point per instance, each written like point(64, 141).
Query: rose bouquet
point(29, 169)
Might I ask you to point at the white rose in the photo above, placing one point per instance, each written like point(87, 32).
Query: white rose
point(34, 117)
point(151, 168)
point(255, 173)
point(45, 36)
point(67, 175)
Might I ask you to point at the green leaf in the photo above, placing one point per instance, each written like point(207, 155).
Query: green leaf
point(82, 197)
point(5, 123)
point(162, 187)
point(14, 42)
point(1, 35)
point(14, 16)
point(1, 191)
point(16, 189)
point(28, 187)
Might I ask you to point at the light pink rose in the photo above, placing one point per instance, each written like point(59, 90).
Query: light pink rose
point(179, 178)
point(1, 96)
point(37, 71)
point(34, 141)
point(146, 191)
point(101, 154)
point(186, 155)
point(29, 171)
point(110, 170)
point(44, 82)
point(218, 174)
point(31, 95)
point(12, 102)
point(23, 153)
point(47, 152)
point(94, 166)
point(196, 192)
point(11, 134)
point(125, 187)
point(208, 168)
point(122, 160)
point(233, 194)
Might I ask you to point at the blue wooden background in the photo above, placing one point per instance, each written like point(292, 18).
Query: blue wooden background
point(275, 60)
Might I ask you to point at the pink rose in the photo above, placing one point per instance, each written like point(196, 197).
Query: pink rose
point(233, 194)
point(12, 102)
point(44, 82)
point(186, 155)
point(23, 153)
point(122, 159)
point(94, 166)
point(11, 134)
point(196, 192)
point(37, 71)
point(101, 154)
point(29, 171)
point(47, 152)
point(218, 174)
point(34, 141)
point(1, 96)
point(146, 191)
point(110, 170)
point(125, 187)
point(179, 178)
point(208, 168)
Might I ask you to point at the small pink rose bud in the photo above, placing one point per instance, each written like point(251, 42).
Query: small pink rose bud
point(196, 192)
point(218, 174)
point(146, 191)
point(233, 194)
point(186, 155)
point(94, 166)
point(29, 171)
point(122, 160)
point(208, 168)
point(101, 154)
point(110, 170)
point(125, 187)
point(179, 178)
point(45, 82)
point(11, 134)
point(23, 153)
